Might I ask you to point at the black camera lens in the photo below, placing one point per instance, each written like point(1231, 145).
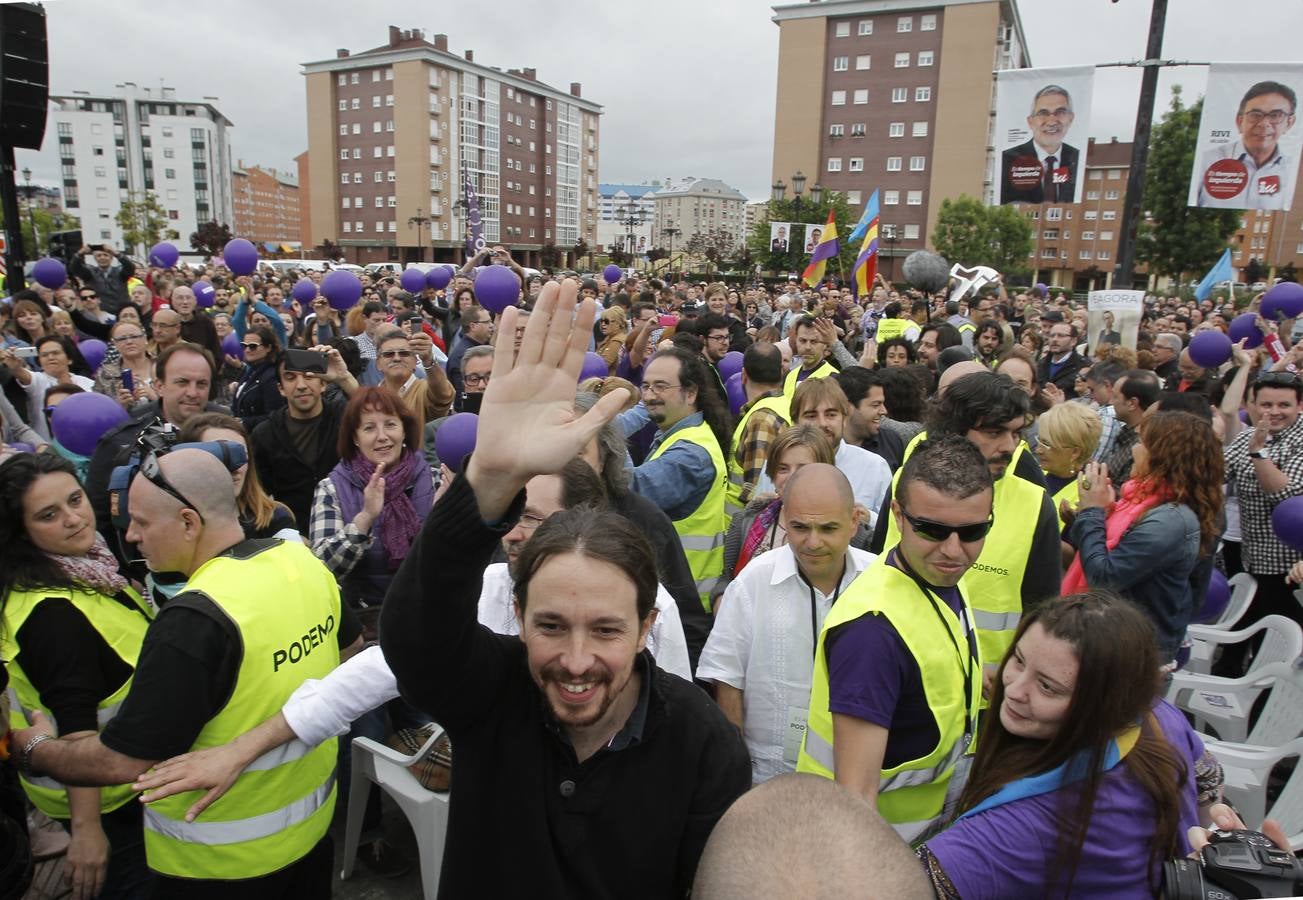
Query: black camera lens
point(1183, 880)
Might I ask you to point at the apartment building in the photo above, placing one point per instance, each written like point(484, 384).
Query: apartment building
point(626, 216)
point(699, 205)
point(266, 207)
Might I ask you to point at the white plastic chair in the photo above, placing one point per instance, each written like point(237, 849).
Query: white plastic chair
point(425, 810)
point(1247, 771)
point(1283, 635)
point(1244, 587)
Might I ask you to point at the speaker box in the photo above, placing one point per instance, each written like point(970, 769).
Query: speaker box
point(24, 75)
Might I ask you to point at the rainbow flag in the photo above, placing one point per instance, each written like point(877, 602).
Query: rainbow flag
point(825, 250)
point(866, 264)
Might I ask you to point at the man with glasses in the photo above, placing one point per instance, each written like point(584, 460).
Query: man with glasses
point(897, 674)
point(89, 317)
point(476, 331)
point(1062, 362)
point(1255, 164)
point(1044, 168)
point(166, 326)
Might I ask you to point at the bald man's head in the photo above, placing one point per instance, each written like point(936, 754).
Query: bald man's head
point(184, 514)
point(817, 483)
point(820, 518)
point(958, 370)
point(805, 836)
point(204, 481)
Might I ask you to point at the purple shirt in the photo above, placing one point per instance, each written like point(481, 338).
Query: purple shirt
point(873, 676)
point(1113, 860)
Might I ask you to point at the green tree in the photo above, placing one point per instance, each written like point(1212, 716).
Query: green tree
point(143, 221)
point(972, 234)
point(211, 238)
point(550, 255)
point(714, 246)
point(1287, 272)
point(1178, 239)
point(1254, 271)
point(46, 222)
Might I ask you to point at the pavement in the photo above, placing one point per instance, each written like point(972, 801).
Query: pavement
point(364, 884)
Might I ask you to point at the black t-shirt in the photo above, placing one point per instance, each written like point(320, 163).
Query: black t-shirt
point(306, 435)
point(185, 675)
point(281, 520)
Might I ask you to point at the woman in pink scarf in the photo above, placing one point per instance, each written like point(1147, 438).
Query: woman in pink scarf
point(1154, 544)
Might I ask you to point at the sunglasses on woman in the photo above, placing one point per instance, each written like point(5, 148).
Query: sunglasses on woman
point(937, 532)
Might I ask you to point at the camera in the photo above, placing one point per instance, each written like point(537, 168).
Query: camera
point(1235, 865)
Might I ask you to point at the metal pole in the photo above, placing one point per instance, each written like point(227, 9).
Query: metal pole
point(15, 258)
point(1131, 212)
point(31, 216)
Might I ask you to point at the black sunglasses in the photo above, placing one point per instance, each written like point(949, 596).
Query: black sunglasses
point(251, 346)
point(938, 532)
point(153, 473)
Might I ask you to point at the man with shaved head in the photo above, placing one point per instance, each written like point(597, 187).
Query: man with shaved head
point(257, 618)
point(804, 836)
point(760, 654)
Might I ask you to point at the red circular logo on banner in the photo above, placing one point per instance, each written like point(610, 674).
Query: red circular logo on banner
point(1025, 172)
point(1225, 178)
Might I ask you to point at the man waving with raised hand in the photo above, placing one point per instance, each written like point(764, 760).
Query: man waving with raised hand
point(616, 770)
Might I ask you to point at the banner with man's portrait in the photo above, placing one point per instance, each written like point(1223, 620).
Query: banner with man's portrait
point(780, 237)
point(1113, 317)
point(812, 235)
point(1042, 122)
point(1247, 155)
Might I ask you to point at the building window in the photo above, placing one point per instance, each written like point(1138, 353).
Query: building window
point(857, 129)
point(866, 27)
point(914, 198)
point(890, 198)
point(1111, 194)
point(922, 94)
point(853, 198)
point(899, 95)
point(169, 173)
point(357, 152)
point(838, 98)
point(834, 164)
point(375, 102)
point(911, 232)
point(357, 177)
point(375, 127)
point(343, 79)
point(389, 152)
point(343, 178)
point(389, 99)
point(917, 163)
point(896, 129)
point(835, 131)
point(343, 154)
point(843, 29)
point(380, 202)
point(357, 226)
point(863, 62)
point(1109, 215)
point(1049, 253)
point(862, 96)
point(1090, 215)
point(348, 226)
point(346, 203)
point(1050, 234)
point(856, 164)
point(840, 63)
point(343, 130)
point(1084, 254)
point(357, 127)
point(1054, 214)
point(390, 176)
point(904, 24)
point(1106, 235)
point(1103, 254)
point(1095, 175)
point(389, 125)
point(893, 163)
point(925, 57)
point(1092, 195)
point(1114, 174)
point(927, 23)
point(380, 227)
point(920, 129)
point(393, 226)
point(902, 60)
point(354, 78)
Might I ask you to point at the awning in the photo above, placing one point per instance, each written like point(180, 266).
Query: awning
point(271, 247)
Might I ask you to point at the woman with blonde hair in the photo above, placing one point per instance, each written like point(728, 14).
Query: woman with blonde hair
point(615, 329)
point(260, 515)
point(1066, 438)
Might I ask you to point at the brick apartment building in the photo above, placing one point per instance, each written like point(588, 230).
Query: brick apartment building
point(266, 207)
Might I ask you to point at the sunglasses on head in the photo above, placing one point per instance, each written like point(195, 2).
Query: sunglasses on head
point(153, 473)
point(937, 532)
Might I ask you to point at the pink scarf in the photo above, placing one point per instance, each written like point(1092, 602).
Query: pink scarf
point(1138, 497)
point(97, 570)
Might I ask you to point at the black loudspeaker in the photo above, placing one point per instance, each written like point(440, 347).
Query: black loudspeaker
point(64, 245)
point(24, 75)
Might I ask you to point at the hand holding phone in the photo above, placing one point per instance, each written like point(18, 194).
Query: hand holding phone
point(311, 361)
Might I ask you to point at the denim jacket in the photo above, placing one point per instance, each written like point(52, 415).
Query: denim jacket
point(1156, 565)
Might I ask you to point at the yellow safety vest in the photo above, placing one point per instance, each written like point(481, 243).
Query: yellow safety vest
point(1070, 492)
point(702, 531)
point(121, 627)
point(995, 579)
point(285, 604)
point(892, 328)
point(779, 404)
point(912, 795)
point(791, 383)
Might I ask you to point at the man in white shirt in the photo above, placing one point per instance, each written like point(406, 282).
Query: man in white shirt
point(761, 651)
point(821, 402)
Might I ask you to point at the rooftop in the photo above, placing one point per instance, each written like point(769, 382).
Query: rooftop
point(689, 186)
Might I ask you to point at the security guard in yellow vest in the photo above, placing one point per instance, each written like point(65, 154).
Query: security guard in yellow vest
point(1021, 564)
point(256, 620)
point(893, 324)
point(685, 473)
point(768, 411)
point(897, 678)
point(812, 348)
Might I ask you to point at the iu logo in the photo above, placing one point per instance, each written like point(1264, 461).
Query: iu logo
point(1269, 185)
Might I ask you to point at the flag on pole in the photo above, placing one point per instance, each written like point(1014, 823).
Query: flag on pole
point(474, 223)
point(870, 216)
point(866, 264)
point(1220, 272)
point(825, 250)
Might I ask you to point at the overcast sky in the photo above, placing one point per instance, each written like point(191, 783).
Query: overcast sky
point(688, 87)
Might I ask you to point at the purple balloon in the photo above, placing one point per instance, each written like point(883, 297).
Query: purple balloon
point(730, 365)
point(1244, 416)
point(93, 349)
point(241, 256)
point(81, 420)
point(455, 439)
point(594, 366)
point(496, 288)
point(1209, 349)
point(205, 293)
point(231, 346)
point(737, 394)
point(1215, 599)
point(164, 255)
point(1042, 289)
point(412, 280)
point(1287, 522)
point(612, 273)
point(342, 288)
point(50, 273)
point(304, 290)
point(1245, 328)
point(1285, 300)
point(438, 277)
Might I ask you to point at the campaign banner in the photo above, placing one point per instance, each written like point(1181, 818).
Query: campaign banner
point(813, 234)
point(1247, 155)
point(1042, 122)
point(1113, 317)
point(780, 235)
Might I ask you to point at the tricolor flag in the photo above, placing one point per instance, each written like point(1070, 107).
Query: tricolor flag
point(866, 264)
point(825, 250)
point(870, 216)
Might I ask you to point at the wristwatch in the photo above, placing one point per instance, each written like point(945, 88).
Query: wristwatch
point(1259, 454)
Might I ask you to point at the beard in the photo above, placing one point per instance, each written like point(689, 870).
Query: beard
point(606, 691)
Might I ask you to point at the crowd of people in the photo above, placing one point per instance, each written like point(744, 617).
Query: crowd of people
point(918, 586)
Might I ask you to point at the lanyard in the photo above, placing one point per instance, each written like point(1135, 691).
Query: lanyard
point(814, 609)
point(969, 638)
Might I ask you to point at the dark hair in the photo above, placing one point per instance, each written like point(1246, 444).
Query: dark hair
point(351, 354)
point(22, 565)
point(910, 354)
point(989, 325)
point(580, 485)
point(1262, 88)
point(55, 390)
point(408, 299)
point(686, 339)
point(637, 309)
point(948, 464)
point(267, 337)
point(947, 334)
point(951, 355)
point(804, 321)
point(1190, 402)
point(694, 374)
point(709, 322)
point(76, 362)
point(855, 382)
point(918, 305)
point(371, 307)
point(763, 364)
point(892, 310)
point(595, 533)
point(1117, 682)
point(160, 364)
point(1106, 372)
point(1283, 380)
point(904, 394)
point(375, 399)
point(1142, 385)
point(983, 398)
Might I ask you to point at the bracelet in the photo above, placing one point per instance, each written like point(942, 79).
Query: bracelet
point(25, 756)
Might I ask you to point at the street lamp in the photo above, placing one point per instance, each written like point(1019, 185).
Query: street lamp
point(461, 211)
point(890, 238)
point(31, 216)
point(420, 220)
point(630, 216)
point(671, 233)
point(779, 192)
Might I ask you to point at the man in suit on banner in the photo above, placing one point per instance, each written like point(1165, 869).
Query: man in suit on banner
point(1044, 169)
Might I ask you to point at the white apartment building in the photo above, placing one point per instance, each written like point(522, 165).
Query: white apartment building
point(695, 205)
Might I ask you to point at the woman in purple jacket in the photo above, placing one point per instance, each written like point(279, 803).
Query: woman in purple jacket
point(1084, 781)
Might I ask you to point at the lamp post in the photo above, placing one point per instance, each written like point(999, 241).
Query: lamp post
point(461, 212)
point(890, 238)
point(779, 190)
point(630, 216)
point(420, 220)
point(31, 216)
point(671, 233)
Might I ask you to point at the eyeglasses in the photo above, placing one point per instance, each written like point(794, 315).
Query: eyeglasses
point(251, 346)
point(153, 473)
point(717, 337)
point(659, 387)
point(936, 532)
point(528, 522)
point(476, 379)
point(396, 354)
point(1275, 117)
point(1059, 113)
point(1041, 445)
